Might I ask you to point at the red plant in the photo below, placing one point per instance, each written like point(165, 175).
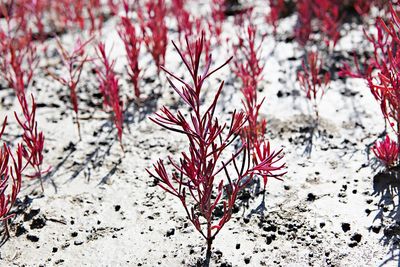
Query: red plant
point(381, 72)
point(362, 7)
point(155, 31)
point(197, 180)
point(303, 27)
point(323, 15)
point(184, 20)
point(93, 8)
point(132, 42)
point(386, 151)
point(276, 9)
point(312, 81)
point(33, 140)
point(113, 6)
point(18, 61)
point(248, 68)
point(327, 13)
point(218, 16)
point(109, 88)
point(73, 62)
point(9, 168)
point(12, 164)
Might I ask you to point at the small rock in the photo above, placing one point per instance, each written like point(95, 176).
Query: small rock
point(170, 232)
point(345, 227)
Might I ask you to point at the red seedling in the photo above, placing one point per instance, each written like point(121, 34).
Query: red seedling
point(184, 20)
point(155, 31)
point(33, 140)
point(323, 15)
point(249, 70)
point(387, 151)
point(381, 72)
point(73, 63)
point(93, 8)
point(197, 179)
point(329, 21)
point(363, 7)
point(132, 42)
point(312, 81)
point(18, 61)
point(303, 28)
point(113, 6)
point(248, 67)
point(10, 165)
point(13, 166)
point(277, 7)
point(217, 18)
point(109, 88)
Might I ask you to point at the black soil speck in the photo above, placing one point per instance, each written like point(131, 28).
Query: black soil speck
point(32, 213)
point(345, 227)
point(356, 237)
point(376, 229)
point(170, 232)
point(20, 230)
point(311, 197)
point(38, 223)
point(32, 238)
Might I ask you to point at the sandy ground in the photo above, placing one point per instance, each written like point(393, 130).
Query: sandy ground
point(101, 208)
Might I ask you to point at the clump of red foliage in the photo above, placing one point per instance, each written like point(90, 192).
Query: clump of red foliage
point(249, 70)
point(381, 72)
point(327, 13)
point(18, 61)
point(10, 167)
point(386, 151)
point(276, 9)
point(197, 179)
point(322, 15)
point(363, 7)
point(13, 164)
point(248, 67)
point(132, 43)
point(303, 29)
point(184, 20)
point(73, 62)
point(33, 140)
point(109, 88)
point(217, 18)
point(312, 80)
point(155, 31)
point(44, 18)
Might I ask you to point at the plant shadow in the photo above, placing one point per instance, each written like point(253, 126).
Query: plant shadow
point(386, 186)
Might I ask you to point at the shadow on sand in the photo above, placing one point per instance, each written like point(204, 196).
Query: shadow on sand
point(386, 187)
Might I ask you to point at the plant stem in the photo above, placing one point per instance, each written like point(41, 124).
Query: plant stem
point(208, 253)
point(41, 181)
point(79, 126)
